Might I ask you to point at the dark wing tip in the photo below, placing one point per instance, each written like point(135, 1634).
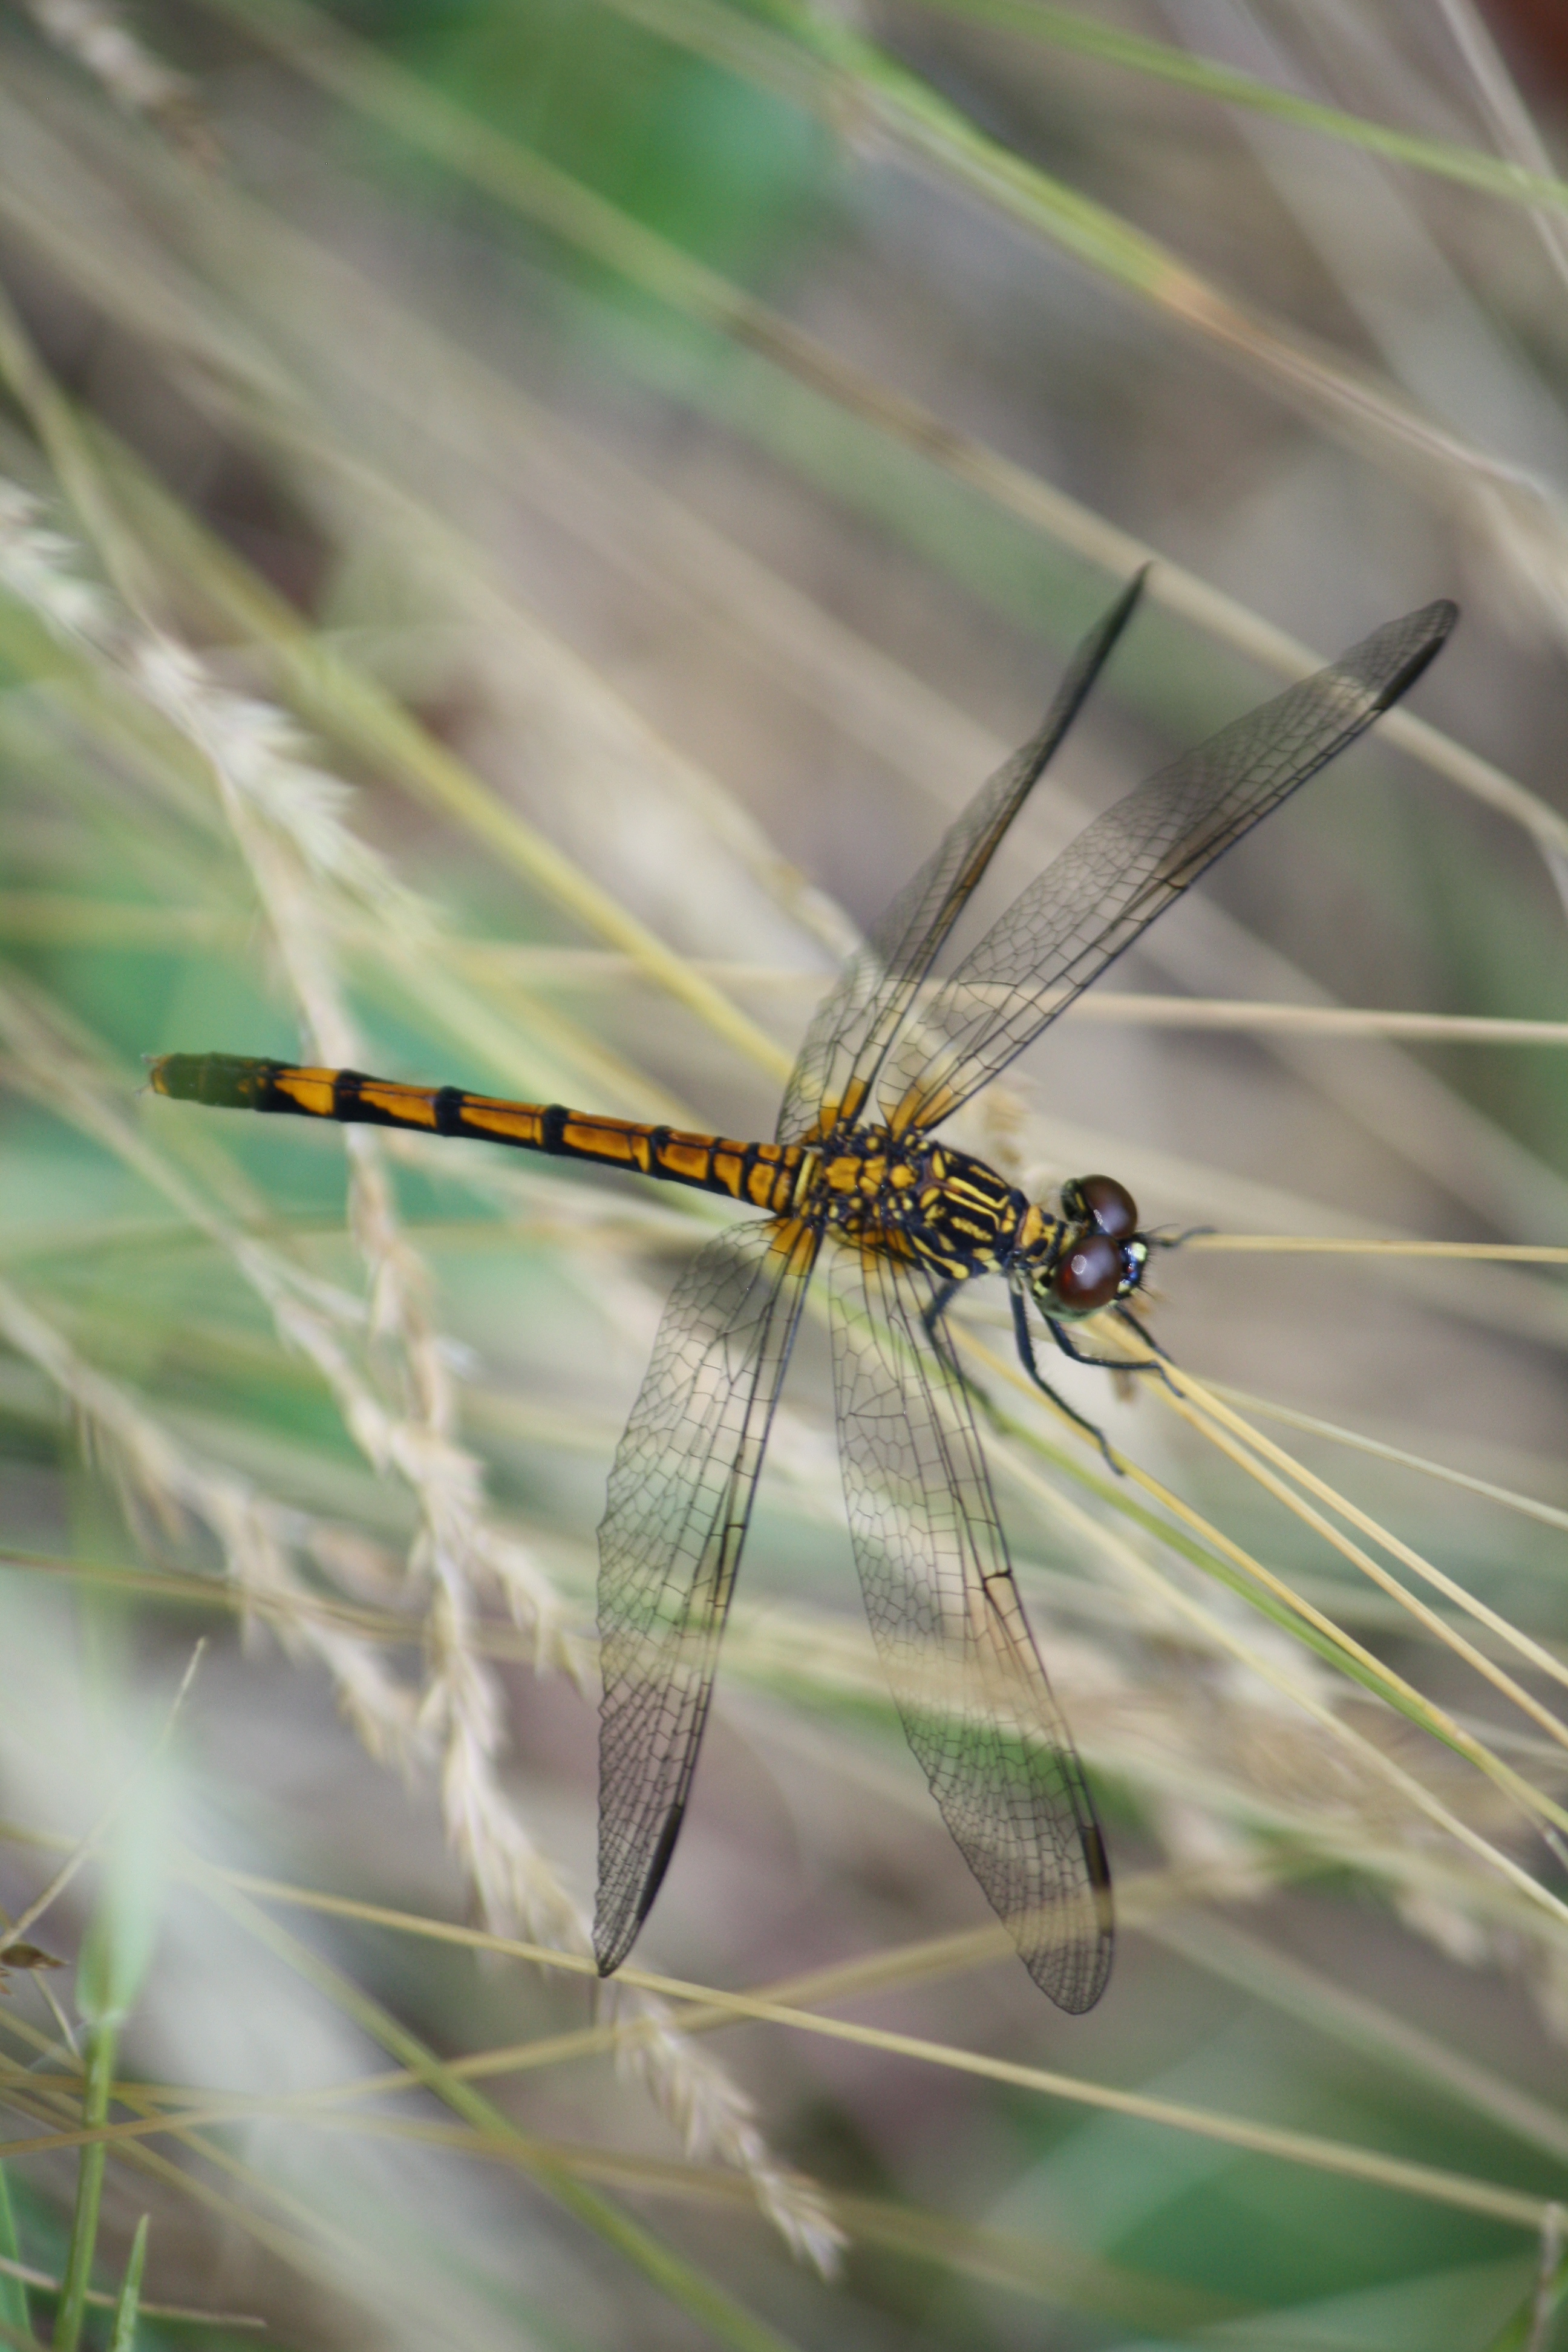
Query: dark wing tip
point(612, 1940)
point(1073, 1970)
point(1430, 629)
point(1082, 671)
point(1102, 637)
point(620, 1911)
point(1410, 644)
point(1122, 611)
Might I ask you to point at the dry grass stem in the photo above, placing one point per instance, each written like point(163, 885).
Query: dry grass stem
point(95, 34)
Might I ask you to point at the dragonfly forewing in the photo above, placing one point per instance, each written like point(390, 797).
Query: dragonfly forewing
point(1129, 864)
point(679, 1500)
point(860, 1015)
point(950, 1627)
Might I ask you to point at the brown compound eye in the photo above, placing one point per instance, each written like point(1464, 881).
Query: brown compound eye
point(1110, 1204)
point(1090, 1275)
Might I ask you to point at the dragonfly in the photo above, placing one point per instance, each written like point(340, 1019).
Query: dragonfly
point(858, 1176)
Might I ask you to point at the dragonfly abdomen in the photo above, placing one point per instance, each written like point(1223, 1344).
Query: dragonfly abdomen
point(766, 1175)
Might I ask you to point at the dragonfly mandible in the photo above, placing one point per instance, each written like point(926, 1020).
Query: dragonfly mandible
point(856, 1163)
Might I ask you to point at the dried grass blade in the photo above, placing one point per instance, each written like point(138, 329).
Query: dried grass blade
point(1374, 1246)
point(1531, 184)
point(318, 47)
point(422, 2068)
point(893, 99)
point(681, 2280)
point(1291, 2146)
point(1537, 1654)
point(1527, 1506)
point(1216, 1427)
point(1299, 1616)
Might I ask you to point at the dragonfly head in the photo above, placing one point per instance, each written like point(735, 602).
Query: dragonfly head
point(1094, 1256)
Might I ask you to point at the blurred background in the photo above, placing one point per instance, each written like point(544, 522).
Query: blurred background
point(521, 523)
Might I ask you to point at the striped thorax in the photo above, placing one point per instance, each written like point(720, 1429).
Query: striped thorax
point(917, 1198)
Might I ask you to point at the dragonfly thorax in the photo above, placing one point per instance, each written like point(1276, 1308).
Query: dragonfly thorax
point(917, 1198)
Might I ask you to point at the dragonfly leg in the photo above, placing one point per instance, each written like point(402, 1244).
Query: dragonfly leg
point(936, 1330)
point(1065, 1342)
point(1027, 1358)
point(1124, 1313)
point(940, 1338)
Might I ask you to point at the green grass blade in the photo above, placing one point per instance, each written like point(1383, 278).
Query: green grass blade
point(13, 2293)
point(128, 2304)
point(1065, 28)
point(687, 2287)
point(101, 2045)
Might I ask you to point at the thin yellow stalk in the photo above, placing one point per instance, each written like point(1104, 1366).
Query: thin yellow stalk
point(60, 918)
point(1263, 2139)
point(1374, 1245)
point(1290, 2147)
point(37, 915)
point(30, 2277)
point(1537, 1654)
point(1132, 1562)
point(1523, 1791)
point(1393, 1685)
point(1141, 1902)
point(1119, 1006)
point(1527, 1506)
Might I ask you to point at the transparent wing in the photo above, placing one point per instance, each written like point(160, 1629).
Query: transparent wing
point(858, 1019)
point(679, 1498)
point(951, 1629)
point(1128, 866)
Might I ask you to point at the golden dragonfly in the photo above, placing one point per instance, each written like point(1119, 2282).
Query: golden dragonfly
point(855, 1163)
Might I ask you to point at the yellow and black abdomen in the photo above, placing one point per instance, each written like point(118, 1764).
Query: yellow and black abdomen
point(766, 1175)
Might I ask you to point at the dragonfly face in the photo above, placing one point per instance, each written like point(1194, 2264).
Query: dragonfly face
point(1092, 1256)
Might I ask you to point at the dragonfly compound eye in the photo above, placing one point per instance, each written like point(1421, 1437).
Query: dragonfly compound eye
point(1109, 1206)
point(1091, 1275)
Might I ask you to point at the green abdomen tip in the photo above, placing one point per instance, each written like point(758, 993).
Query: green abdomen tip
point(221, 1081)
